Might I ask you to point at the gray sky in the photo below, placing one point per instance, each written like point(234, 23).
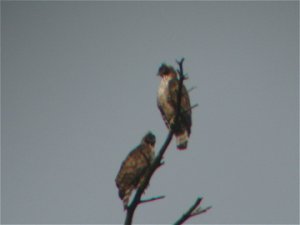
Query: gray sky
point(79, 91)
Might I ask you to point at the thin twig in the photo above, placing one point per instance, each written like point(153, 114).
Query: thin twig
point(193, 106)
point(192, 88)
point(157, 161)
point(199, 211)
point(152, 199)
point(193, 211)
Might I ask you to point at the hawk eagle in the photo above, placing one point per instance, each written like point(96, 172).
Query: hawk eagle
point(167, 103)
point(132, 172)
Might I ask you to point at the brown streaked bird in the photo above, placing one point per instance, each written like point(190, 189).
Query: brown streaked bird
point(133, 169)
point(167, 103)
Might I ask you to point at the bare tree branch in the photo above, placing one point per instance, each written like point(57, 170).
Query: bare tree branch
point(193, 211)
point(158, 159)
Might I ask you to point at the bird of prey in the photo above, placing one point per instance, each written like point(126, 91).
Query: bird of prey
point(167, 103)
point(133, 169)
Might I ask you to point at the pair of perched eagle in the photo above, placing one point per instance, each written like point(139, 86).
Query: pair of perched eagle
point(132, 171)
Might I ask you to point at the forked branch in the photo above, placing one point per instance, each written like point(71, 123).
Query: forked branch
point(194, 210)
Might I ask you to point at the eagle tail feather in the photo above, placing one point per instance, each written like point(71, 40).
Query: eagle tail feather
point(182, 140)
point(125, 196)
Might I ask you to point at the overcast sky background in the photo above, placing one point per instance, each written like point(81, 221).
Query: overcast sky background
point(79, 92)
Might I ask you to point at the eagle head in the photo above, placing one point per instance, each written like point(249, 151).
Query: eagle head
point(149, 138)
point(165, 70)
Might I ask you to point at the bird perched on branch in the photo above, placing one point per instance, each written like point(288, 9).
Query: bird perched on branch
point(134, 167)
point(167, 104)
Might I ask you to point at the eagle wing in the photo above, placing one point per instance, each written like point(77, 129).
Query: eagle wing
point(185, 118)
point(132, 170)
